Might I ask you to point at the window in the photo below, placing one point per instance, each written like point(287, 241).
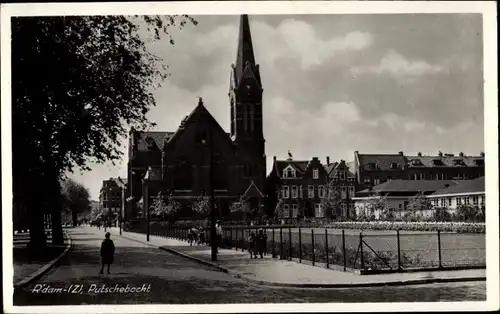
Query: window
point(394, 165)
point(435, 202)
point(400, 206)
point(475, 200)
point(295, 210)
point(295, 193)
point(310, 191)
point(342, 175)
point(422, 176)
point(482, 200)
point(343, 206)
point(459, 201)
point(449, 201)
point(286, 191)
point(301, 193)
point(105, 196)
point(315, 174)
point(351, 191)
point(367, 181)
point(286, 211)
point(467, 200)
point(376, 181)
point(245, 117)
point(321, 191)
point(389, 178)
point(405, 205)
point(343, 192)
point(289, 173)
point(443, 202)
point(415, 176)
point(318, 210)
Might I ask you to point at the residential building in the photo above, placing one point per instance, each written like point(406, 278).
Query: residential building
point(471, 192)
point(180, 162)
point(112, 197)
point(301, 187)
point(374, 169)
point(344, 180)
point(398, 195)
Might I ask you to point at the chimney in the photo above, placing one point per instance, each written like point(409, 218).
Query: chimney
point(315, 158)
point(274, 158)
point(327, 160)
point(461, 154)
point(400, 153)
point(419, 154)
point(440, 154)
point(482, 154)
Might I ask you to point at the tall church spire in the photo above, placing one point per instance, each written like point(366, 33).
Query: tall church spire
point(244, 54)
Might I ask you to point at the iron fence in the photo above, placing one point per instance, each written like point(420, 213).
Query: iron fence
point(350, 249)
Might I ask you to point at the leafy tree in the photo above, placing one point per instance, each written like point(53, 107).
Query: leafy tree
point(375, 203)
point(77, 84)
point(76, 199)
point(164, 208)
point(240, 209)
point(417, 204)
point(442, 214)
point(202, 205)
point(470, 213)
point(331, 198)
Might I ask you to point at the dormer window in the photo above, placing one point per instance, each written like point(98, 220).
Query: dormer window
point(342, 175)
point(394, 165)
point(479, 162)
point(416, 162)
point(458, 162)
point(437, 162)
point(289, 172)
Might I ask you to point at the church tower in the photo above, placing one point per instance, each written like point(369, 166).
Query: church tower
point(245, 94)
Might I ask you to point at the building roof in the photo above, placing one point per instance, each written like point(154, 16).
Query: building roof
point(157, 137)
point(469, 186)
point(245, 53)
point(299, 165)
point(381, 161)
point(446, 161)
point(410, 186)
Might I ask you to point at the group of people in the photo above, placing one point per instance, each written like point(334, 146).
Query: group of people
point(196, 235)
point(257, 244)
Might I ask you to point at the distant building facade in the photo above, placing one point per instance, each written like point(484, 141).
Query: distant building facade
point(398, 195)
point(470, 193)
point(179, 163)
point(374, 169)
point(112, 197)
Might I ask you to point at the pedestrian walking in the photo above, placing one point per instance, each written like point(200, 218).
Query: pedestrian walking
point(218, 231)
point(251, 245)
point(260, 243)
point(107, 252)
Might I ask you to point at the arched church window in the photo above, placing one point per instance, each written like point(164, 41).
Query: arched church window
point(183, 174)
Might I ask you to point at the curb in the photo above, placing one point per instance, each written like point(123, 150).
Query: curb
point(39, 273)
point(307, 285)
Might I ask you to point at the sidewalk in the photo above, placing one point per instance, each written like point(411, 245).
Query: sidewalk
point(276, 272)
point(26, 268)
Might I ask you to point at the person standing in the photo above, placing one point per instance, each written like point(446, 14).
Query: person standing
point(107, 252)
point(260, 243)
point(218, 237)
point(251, 246)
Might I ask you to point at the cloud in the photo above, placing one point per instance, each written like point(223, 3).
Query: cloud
point(397, 65)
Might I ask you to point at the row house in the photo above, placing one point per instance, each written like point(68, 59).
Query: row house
point(303, 184)
point(471, 193)
point(374, 169)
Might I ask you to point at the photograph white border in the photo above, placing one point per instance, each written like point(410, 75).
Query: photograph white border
point(486, 8)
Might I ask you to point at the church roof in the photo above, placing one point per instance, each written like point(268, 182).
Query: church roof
point(245, 59)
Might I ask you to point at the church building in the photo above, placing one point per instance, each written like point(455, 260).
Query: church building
point(180, 162)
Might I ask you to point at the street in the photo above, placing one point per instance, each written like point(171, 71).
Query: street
point(165, 278)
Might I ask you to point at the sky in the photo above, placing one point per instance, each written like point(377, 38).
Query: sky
point(333, 84)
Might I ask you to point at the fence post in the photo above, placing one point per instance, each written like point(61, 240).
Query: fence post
point(281, 242)
point(326, 247)
point(343, 249)
point(274, 251)
point(399, 252)
point(313, 250)
point(439, 249)
point(361, 250)
point(300, 245)
point(290, 242)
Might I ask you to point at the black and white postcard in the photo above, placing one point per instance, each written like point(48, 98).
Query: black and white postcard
point(251, 156)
